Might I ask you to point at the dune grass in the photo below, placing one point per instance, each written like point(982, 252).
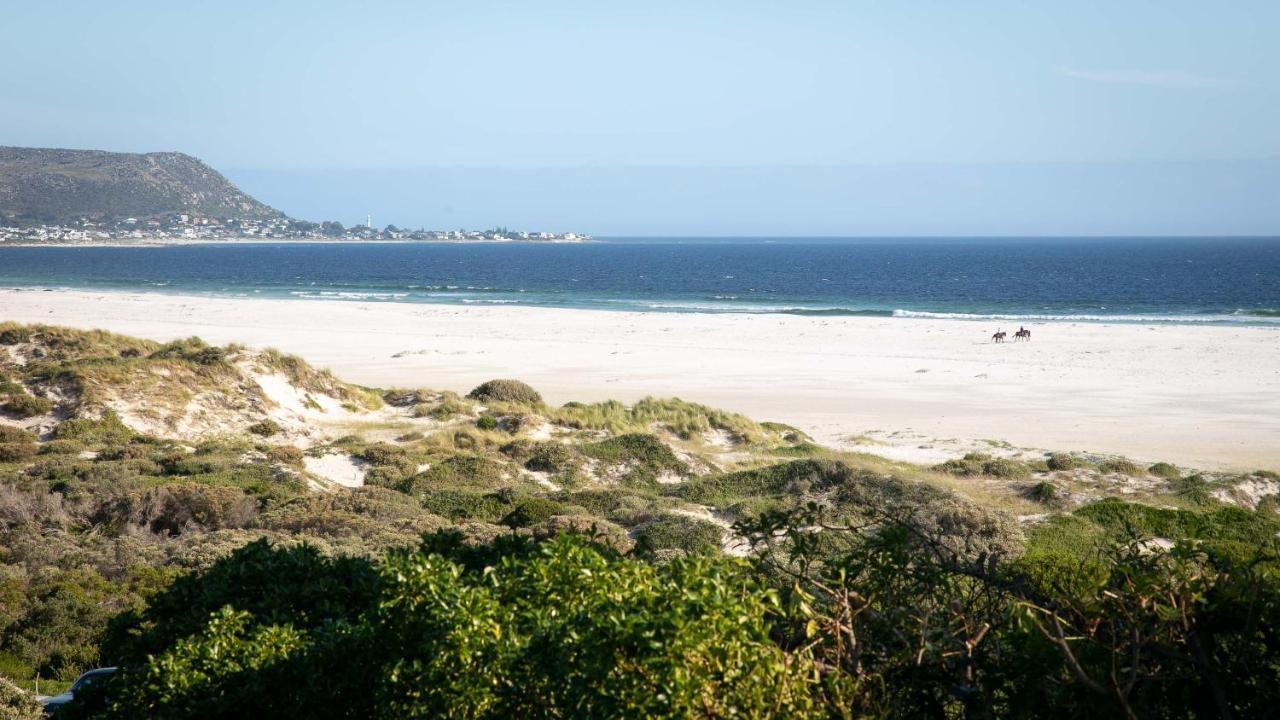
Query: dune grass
point(686, 420)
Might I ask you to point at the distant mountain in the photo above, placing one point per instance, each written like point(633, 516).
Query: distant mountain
point(51, 185)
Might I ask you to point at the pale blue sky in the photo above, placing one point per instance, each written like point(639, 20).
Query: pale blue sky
point(474, 113)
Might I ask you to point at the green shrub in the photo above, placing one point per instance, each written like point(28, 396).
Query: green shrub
point(402, 398)
point(13, 335)
point(471, 472)
point(178, 508)
point(1194, 489)
point(265, 428)
point(383, 454)
point(107, 430)
point(61, 447)
point(448, 407)
point(1229, 532)
point(487, 422)
point(960, 467)
point(11, 434)
point(1007, 469)
point(532, 511)
point(1061, 461)
point(512, 391)
point(284, 455)
point(466, 505)
point(17, 452)
point(1046, 493)
point(193, 350)
point(983, 464)
point(550, 456)
point(564, 628)
point(520, 449)
point(789, 480)
point(801, 449)
point(641, 457)
point(680, 532)
point(1121, 466)
point(1165, 470)
point(26, 406)
point(616, 504)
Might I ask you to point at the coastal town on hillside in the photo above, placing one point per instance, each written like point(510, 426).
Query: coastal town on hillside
point(181, 228)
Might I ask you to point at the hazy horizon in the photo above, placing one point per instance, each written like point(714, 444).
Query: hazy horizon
point(1062, 199)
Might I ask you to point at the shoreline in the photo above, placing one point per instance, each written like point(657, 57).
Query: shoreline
point(675, 307)
point(1201, 395)
point(183, 242)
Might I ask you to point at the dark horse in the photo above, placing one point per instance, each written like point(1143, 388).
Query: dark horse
point(999, 336)
point(1022, 334)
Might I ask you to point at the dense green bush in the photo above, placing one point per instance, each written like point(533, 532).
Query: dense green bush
point(284, 455)
point(561, 628)
point(512, 391)
point(295, 586)
point(866, 621)
point(61, 447)
point(532, 511)
point(191, 349)
point(466, 505)
point(1121, 466)
point(1046, 493)
point(1063, 632)
point(107, 430)
point(680, 532)
point(1006, 469)
point(487, 422)
point(550, 456)
point(457, 472)
point(1061, 461)
point(178, 508)
point(14, 335)
point(983, 464)
point(265, 428)
point(1165, 470)
point(638, 458)
point(17, 452)
point(10, 434)
point(26, 406)
point(792, 479)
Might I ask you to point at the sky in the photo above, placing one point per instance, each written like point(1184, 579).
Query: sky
point(673, 118)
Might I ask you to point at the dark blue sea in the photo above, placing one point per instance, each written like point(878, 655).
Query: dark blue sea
point(1204, 280)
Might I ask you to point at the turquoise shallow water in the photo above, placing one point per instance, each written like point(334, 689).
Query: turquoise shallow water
point(1228, 280)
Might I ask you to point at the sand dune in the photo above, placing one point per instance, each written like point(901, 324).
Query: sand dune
point(1205, 397)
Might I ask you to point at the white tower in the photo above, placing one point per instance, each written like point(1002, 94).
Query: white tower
point(368, 221)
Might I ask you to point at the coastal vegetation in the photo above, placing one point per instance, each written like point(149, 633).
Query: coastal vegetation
point(245, 535)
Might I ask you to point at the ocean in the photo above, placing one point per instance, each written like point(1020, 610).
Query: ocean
point(1174, 280)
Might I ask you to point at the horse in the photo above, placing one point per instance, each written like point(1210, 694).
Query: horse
point(999, 336)
point(1022, 334)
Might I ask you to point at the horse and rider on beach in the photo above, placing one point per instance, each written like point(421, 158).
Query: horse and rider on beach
point(1022, 334)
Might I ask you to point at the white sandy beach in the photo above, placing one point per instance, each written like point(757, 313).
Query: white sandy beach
point(1201, 396)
